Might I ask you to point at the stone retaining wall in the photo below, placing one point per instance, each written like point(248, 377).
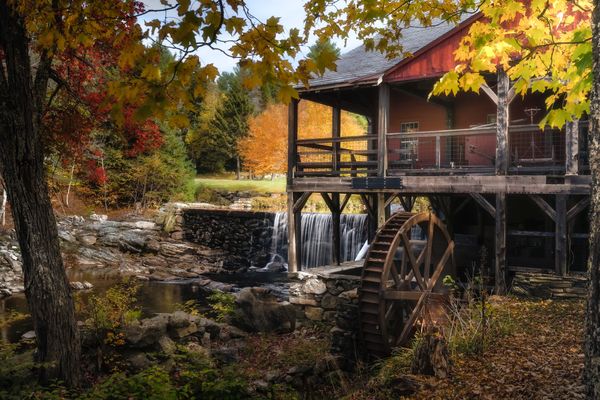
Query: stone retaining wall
point(245, 236)
point(549, 286)
point(329, 295)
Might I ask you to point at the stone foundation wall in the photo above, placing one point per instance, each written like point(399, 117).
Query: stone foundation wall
point(548, 286)
point(245, 236)
point(326, 295)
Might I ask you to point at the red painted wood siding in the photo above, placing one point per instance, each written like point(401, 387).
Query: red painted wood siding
point(432, 61)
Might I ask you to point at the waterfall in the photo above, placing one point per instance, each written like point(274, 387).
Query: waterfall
point(316, 237)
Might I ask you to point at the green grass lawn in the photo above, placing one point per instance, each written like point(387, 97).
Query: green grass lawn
point(229, 183)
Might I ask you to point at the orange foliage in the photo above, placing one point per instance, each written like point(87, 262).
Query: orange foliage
point(264, 151)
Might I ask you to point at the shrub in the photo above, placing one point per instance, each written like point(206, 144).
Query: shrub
point(107, 314)
point(222, 305)
point(151, 384)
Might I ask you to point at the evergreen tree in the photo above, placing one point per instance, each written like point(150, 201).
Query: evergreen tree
point(230, 123)
point(321, 47)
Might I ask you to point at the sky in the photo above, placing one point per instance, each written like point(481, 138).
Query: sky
point(291, 13)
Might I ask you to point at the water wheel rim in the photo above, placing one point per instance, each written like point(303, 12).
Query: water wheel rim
point(403, 292)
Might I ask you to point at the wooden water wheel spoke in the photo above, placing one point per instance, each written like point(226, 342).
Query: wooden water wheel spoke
point(396, 277)
point(428, 249)
point(440, 266)
point(413, 263)
point(403, 287)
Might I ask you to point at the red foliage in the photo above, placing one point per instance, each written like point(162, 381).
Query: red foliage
point(81, 105)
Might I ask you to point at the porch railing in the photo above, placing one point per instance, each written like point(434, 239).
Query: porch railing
point(344, 156)
point(468, 151)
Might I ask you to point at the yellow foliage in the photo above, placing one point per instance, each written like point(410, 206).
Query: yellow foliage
point(264, 151)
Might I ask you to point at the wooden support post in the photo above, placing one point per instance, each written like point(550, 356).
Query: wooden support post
point(502, 122)
point(500, 245)
point(484, 204)
point(577, 208)
point(336, 126)
point(335, 220)
point(408, 202)
point(293, 265)
point(560, 235)
point(370, 202)
point(438, 152)
point(296, 202)
point(383, 112)
point(572, 148)
point(292, 138)
point(546, 208)
point(381, 214)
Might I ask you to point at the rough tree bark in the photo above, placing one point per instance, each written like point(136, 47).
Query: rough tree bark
point(22, 99)
point(592, 339)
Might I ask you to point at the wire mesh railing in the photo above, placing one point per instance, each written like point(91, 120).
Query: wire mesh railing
point(469, 151)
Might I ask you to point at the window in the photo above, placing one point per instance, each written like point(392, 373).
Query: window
point(409, 127)
point(491, 119)
point(409, 148)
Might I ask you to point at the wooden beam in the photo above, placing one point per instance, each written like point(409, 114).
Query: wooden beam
point(572, 148)
point(294, 235)
point(301, 201)
point(383, 112)
point(408, 202)
point(381, 208)
point(345, 201)
point(502, 122)
point(560, 237)
point(577, 208)
point(335, 222)
point(391, 294)
point(328, 201)
point(500, 244)
point(484, 204)
point(548, 210)
point(292, 138)
point(368, 205)
point(462, 205)
point(336, 132)
point(390, 199)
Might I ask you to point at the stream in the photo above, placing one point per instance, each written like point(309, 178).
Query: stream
point(153, 296)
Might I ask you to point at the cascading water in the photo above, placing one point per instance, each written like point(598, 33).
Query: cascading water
point(316, 238)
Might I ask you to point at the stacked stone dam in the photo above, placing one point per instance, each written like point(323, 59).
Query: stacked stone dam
point(245, 236)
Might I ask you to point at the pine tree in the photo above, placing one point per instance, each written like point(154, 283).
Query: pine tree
point(230, 123)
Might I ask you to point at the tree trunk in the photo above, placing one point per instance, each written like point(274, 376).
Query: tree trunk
point(3, 207)
point(237, 167)
point(22, 99)
point(592, 339)
point(70, 184)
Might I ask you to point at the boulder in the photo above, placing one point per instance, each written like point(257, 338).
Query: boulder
point(198, 350)
point(99, 217)
point(313, 313)
point(88, 240)
point(259, 311)
point(166, 345)
point(314, 286)
point(147, 331)
point(138, 361)
point(29, 335)
point(329, 302)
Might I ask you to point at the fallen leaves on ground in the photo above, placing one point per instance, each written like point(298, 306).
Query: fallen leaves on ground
point(541, 358)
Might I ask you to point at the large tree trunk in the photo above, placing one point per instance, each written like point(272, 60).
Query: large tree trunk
point(592, 342)
point(22, 167)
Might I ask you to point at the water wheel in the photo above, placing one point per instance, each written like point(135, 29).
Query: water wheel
point(401, 277)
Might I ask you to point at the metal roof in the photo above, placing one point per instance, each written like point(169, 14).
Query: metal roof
point(362, 66)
